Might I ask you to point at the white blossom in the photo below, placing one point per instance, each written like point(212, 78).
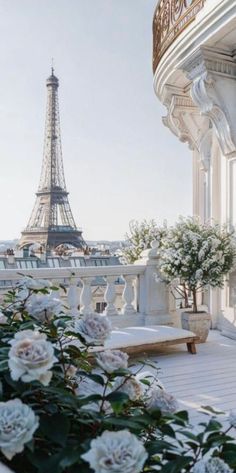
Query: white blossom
point(31, 357)
point(94, 328)
point(213, 465)
point(118, 452)
point(162, 400)
point(43, 306)
point(198, 274)
point(17, 426)
point(130, 386)
point(111, 360)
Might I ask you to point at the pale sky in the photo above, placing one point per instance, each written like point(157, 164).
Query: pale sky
point(120, 162)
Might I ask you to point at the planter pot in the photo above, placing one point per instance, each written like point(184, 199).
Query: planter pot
point(198, 323)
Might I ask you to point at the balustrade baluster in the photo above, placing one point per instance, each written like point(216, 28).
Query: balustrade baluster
point(128, 296)
point(73, 297)
point(110, 296)
point(86, 296)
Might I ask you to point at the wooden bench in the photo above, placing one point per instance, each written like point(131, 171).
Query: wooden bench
point(147, 339)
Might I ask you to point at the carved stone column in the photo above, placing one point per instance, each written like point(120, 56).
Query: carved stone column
point(86, 296)
point(110, 296)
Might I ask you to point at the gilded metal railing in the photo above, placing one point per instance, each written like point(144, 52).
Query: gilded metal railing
point(170, 19)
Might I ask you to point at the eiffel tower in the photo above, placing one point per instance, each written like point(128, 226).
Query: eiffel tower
point(51, 223)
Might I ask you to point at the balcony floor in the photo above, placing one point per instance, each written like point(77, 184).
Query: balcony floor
point(207, 378)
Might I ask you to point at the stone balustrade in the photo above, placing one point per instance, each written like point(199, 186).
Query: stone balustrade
point(144, 299)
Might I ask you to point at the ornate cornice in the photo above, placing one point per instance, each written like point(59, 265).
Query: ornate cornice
point(207, 60)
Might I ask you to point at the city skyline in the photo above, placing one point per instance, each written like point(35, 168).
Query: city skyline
point(117, 165)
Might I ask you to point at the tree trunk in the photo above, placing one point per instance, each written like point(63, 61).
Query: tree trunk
point(194, 291)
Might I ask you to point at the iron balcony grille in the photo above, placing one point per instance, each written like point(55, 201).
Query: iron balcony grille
point(171, 17)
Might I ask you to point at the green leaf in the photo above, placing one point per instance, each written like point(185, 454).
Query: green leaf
point(3, 365)
point(70, 456)
point(158, 446)
point(211, 410)
point(177, 465)
point(117, 400)
point(117, 397)
point(128, 423)
point(55, 427)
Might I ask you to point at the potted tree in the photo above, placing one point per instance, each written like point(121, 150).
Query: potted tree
point(197, 256)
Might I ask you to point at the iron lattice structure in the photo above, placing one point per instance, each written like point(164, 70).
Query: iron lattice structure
point(51, 223)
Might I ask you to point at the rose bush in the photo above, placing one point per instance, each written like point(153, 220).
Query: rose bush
point(66, 409)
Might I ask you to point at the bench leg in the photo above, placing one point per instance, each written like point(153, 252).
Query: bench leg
point(192, 348)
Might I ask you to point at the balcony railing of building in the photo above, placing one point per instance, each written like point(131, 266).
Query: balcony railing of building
point(171, 17)
point(142, 294)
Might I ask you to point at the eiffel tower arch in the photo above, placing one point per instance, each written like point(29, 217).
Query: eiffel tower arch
point(51, 222)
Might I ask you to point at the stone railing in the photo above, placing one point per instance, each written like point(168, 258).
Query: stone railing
point(143, 298)
point(171, 17)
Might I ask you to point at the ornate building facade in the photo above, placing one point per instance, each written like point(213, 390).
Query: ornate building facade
point(194, 62)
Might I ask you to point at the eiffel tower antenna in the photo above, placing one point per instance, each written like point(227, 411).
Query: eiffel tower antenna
point(51, 223)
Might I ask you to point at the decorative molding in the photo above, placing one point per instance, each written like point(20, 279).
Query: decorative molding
point(183, 118)
point(210, 97)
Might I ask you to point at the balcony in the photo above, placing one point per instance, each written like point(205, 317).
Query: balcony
point(183, 27)
point(171, 17)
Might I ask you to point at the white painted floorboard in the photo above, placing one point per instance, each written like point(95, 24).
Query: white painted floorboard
point(207, 378)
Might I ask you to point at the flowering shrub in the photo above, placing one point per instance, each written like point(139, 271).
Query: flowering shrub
point(197, 255)
point(66, 409)
point(140, 237)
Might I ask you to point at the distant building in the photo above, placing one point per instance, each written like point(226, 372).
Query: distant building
point(98, 286)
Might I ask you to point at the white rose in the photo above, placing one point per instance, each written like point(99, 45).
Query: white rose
point(111, 360)
point(17, 426)
point(214, 465)
point(162, 400)
point(22, 294)
point(3, 319)
point(43, 307)
point(130, 386)
point(94, 328)
point(118, 452)
point(31, 357)
point(232, 418)
point(36, 284)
